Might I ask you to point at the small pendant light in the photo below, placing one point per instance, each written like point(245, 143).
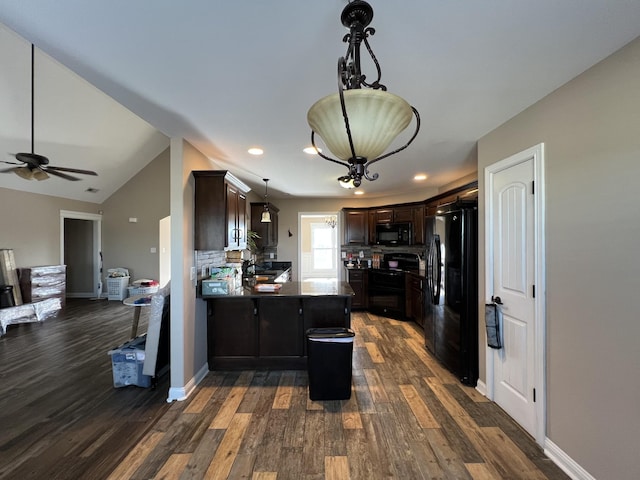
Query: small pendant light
point(266, 214)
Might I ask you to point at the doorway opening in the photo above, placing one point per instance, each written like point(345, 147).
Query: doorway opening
point(318, 248)
point(81, 252)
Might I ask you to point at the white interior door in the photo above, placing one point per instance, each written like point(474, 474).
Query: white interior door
point(518, 367)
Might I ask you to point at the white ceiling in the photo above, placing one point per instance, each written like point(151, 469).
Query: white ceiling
point(230, 75)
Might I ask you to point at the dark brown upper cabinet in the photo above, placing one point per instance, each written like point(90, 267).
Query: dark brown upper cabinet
point(356, 226)
point(220, 211)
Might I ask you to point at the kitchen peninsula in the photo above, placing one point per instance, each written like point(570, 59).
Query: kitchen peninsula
point(252, 329)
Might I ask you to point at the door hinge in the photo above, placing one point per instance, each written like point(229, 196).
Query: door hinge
point(534, 291)
point(533, 187)
point(534, 394)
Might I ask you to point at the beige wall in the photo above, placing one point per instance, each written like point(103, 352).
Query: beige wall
point(591, 131)
point(145, 197)
point(188, 314)
point(30, 225)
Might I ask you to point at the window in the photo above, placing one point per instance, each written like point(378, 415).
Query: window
point(318, 248)
point(323, 246)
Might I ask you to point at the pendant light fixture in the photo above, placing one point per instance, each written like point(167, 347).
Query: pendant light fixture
point(266, 214)
point(358, 124)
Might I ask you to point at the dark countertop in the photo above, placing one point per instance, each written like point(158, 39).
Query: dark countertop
point(272, 266)
point(356, 267)
point(292, 289)
point(420, 273)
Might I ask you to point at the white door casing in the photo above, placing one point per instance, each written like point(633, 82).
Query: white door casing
point(164, 245)
point(515, 273)
point(308, 223)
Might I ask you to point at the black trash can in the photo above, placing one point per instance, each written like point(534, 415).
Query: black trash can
point(329, 352)
point(6, 296)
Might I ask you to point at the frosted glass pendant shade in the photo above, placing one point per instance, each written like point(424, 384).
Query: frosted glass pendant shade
point(266, 217)
point(376, 118)
point(346, 184)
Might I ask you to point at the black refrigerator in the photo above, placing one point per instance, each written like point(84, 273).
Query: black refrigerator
point(451, 313)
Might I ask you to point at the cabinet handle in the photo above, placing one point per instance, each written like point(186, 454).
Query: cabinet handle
point(239, 233)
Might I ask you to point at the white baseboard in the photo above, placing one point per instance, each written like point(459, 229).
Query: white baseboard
point(481, 387)
point(182, 393)
point(565, 462)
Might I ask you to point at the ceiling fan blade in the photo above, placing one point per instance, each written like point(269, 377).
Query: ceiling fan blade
point(71, 170)
point(8, 170)
point(61, 175)
point(11, 163)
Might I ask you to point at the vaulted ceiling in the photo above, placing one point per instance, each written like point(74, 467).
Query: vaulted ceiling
point(116, 79)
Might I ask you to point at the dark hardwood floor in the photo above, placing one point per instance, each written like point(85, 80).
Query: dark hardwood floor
point(408, 418)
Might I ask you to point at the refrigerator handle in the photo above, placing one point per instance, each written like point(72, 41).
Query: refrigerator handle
point(438, 267)
point(434, 268)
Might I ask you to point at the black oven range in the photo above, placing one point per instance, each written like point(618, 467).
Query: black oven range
point(387, 284)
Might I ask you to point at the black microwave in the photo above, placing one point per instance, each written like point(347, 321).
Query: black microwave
point(394, 234)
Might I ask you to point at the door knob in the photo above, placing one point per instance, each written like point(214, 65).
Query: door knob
point(496, 300)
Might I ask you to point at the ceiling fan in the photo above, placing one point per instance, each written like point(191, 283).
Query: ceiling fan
point(34, 166)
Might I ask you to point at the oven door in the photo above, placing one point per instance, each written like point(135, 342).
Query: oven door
point(387, 293)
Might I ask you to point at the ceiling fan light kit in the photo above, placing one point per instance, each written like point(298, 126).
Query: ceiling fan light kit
point(29, 174)
point(35, 166)
point(360, 121)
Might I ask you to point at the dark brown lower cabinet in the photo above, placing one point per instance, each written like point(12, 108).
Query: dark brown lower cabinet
point(232, 328)
point(280, 322)
point(269, 332)
point(414, 291)
point(358, 281)
point(320, 312)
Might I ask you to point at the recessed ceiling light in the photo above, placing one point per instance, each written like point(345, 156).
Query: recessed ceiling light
point(255, 151)
point(92, 190)
point(311, 150)
point(420, 176)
